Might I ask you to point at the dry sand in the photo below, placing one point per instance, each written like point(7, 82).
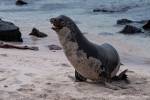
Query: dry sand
point(43, 74)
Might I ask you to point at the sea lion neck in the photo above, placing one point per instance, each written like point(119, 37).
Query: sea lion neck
point(72, 34)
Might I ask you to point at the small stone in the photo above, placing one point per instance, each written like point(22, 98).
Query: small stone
point(5, 86)
point(37, 33)
point(54, 47)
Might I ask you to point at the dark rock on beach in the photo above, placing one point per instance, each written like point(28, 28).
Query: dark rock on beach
point(123, 21)
point(9, 32)
point(128, 29)
point(54, 47)
point(20, 2)
point(133, 26)
point(147, 26)
point(142, 21)
point(37, 33)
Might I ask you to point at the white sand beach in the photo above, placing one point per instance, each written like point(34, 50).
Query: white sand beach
point(43, 74)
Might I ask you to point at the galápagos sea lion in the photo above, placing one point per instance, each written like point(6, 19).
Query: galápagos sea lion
point(91, 61)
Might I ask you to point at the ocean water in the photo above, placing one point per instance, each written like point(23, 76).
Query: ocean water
point(38, 12)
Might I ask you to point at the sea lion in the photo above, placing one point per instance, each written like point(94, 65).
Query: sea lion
point(91, 61)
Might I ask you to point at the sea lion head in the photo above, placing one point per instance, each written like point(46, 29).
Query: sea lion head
point(62, 22)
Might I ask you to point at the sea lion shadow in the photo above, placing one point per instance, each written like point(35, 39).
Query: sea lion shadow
point(96, 83)
point(100, 83)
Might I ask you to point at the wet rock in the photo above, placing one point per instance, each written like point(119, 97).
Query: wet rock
point(54, 47)
point(103, 10)
point(142, 21)
point(9, 32)
point(37, 33)
point(147, 26)
point(123, 21)
point(20, 2)
point(128, 29)
point(112, 9)
point(127, 21)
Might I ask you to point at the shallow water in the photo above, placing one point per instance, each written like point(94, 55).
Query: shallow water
point(38, 12)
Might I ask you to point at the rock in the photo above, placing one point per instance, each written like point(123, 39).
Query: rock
point(112, 9)
point(9, 32)
point(54, 47)
point(142, 21)
point(147, 26)
point(127, 21)
point(128, 29)
point(103, 10)
point(5, 86)
point(20, 2)
point(37, 33)
point(123, 21)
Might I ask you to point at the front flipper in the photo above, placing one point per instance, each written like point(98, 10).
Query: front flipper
point(79, 78)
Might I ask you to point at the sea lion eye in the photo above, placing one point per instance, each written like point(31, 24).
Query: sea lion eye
point(62, 21)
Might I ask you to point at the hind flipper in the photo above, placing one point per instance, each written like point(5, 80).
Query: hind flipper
point(108, 81)
point(122, 76)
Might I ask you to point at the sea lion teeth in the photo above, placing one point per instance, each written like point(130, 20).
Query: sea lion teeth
point(54, 26)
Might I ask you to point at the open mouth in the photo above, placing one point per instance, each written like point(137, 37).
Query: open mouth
point(55, 25)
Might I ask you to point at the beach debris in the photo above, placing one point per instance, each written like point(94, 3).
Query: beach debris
point(9, 32)
point(147, 26)
point(20, 2)
point(37, 33)
point(54, 47)
point(128, 29)
point(2, 45)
